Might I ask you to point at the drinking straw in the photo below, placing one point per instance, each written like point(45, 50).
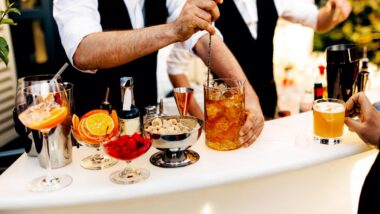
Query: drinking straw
point(61, 70)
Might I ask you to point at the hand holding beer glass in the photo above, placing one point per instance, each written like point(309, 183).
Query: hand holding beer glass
point(328, 120)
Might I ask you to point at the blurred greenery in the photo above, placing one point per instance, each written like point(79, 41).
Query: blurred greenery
point(4, 48)
point(362, 28)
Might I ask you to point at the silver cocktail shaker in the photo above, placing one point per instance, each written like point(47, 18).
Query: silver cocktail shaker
point(60, 139)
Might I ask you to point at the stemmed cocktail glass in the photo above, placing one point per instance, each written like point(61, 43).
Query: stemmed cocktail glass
point(32, 138)
point(43, 106)
point(93, 129)
point(128, 148)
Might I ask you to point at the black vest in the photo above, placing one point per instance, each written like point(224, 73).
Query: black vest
point(90, 89)
point(254, 55)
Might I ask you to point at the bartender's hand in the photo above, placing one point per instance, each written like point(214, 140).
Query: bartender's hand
point(368, 128)
point(254, 123)
point(196, 15)
point(333, 13)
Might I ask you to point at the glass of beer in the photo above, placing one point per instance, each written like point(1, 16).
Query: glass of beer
point(328, 120)
point(224, 113)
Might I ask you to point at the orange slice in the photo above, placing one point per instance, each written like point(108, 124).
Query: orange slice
point(75, 121)
point(52, 120)
point(99, 124)
point(94, 112)
point(84, 135)
point(115, 119)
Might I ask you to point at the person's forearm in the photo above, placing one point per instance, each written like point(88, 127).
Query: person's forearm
point(223, 62)
point(114, 48)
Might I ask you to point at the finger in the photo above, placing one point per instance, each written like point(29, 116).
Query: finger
point(249, 136)
point(353, 124)
point(363, 101)
point(203, 15)
point(353, 101)
point(250, 141)
point(350, 103)
point(247, 124)
point(210, 7)
point(215, 13)
point(245, 138)
point(200, 24)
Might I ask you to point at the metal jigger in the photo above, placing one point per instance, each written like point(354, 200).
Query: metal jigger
point(182, 98)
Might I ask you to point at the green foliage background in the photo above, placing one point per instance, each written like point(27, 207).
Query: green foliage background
point(362, 28)
point(4, 48)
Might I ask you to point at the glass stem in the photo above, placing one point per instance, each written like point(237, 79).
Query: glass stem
point(98, 156)
point(128, 171)
point(49, 177)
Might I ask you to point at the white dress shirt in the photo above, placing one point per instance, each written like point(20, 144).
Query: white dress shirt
point(303, 12)
point(78, 18)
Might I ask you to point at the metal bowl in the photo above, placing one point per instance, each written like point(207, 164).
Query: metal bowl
point(174, 147)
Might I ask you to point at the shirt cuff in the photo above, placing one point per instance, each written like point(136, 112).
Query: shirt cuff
point(304, 13)
point(75, 34)
point(190, 43)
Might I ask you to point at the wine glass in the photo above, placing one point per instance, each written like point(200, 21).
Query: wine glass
point(92, 129)
point(43, 106)
point(32, 139)
point(128, 148)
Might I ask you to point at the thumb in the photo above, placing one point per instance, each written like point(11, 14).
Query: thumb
point(352, 124)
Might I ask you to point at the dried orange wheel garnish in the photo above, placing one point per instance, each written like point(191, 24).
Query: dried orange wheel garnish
point(95, 111)
point(99, 124)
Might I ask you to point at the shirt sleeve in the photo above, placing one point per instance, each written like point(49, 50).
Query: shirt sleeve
point(75, 20)
point(303, 12)
point(178, 60)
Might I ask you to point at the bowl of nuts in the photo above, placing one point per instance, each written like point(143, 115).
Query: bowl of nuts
point(173, 136)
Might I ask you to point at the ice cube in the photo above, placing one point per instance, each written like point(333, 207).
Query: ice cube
point(231, 93)
point(213, 94)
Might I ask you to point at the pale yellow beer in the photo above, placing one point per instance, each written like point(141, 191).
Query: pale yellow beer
point(328, 120)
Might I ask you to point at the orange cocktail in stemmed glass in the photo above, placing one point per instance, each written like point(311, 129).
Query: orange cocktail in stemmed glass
point(92, 129)
point(43, 106)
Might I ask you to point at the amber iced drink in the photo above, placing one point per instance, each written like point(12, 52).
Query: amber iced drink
point(224, 113)
point(328, 120)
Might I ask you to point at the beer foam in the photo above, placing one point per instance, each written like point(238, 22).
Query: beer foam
point(329, 107)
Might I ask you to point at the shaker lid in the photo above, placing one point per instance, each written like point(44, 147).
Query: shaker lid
point(341, 54)
point(126, 81)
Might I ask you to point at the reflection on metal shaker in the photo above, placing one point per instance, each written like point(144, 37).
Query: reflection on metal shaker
point(342, 70)
point(60, 141)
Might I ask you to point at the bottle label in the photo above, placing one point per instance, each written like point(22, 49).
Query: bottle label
point(129, 126)
point(127, 101)
point(318, 91)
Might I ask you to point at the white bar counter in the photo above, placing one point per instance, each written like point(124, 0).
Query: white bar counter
point(284, 171)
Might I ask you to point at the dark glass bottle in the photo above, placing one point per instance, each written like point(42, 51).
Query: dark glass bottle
point(129, 114)
point(362, 78)
point(106, 105)
point(318, 87)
